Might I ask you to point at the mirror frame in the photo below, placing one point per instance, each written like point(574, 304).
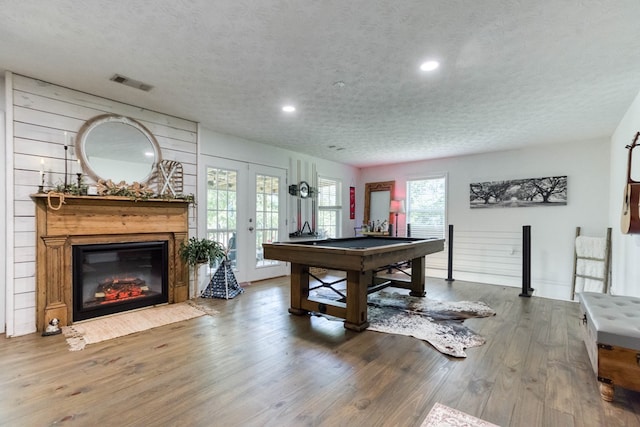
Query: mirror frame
point(376, 186)
point(91, 124)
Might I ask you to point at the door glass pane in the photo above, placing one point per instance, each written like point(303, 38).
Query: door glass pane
point(222, 191)
point(267, 217)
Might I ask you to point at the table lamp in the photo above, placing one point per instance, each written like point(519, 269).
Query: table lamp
point(396, 207)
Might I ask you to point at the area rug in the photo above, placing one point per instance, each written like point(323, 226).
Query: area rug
point(443, 416)
point(437, 322)
point(105, 328)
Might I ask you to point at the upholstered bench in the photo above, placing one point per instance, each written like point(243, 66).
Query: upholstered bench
point(611, 326)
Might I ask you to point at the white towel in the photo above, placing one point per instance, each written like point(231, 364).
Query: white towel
point(591, 247)
point(590, 268)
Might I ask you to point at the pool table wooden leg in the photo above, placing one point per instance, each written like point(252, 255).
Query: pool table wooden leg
point(417, 277)
point(299, 288)
point(357, 283)
point(606, 392)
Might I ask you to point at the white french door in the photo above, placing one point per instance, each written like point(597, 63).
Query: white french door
point(245, 207)
point(267, 224)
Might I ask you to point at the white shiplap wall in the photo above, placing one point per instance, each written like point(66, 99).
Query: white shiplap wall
point(41, 113)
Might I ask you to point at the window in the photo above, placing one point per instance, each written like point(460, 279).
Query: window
point(426, 206)
point(222, 190)
point(267, 215)
point(329, 207)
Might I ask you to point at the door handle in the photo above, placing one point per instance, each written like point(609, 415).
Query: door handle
point(250, 228)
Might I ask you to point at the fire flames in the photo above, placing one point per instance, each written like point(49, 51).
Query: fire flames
point(118, 289)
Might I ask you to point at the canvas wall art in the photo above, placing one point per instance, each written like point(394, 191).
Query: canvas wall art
point(549, 191)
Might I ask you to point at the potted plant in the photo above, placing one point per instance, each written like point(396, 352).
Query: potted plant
point(200, 251)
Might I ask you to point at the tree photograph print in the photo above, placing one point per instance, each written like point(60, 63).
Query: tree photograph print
point(549, 191)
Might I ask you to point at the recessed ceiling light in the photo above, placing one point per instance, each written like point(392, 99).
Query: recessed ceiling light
point(429, 65)
point(288, 108)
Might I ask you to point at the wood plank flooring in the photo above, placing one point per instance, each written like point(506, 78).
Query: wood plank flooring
point(254, 364)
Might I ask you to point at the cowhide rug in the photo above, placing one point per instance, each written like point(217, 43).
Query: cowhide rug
point(437, 322)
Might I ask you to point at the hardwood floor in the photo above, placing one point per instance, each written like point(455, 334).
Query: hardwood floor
point(254, 364)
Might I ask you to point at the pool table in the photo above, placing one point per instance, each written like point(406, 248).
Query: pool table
point(360, 258)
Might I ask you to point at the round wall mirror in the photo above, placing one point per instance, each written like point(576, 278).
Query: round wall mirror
point(117, 148)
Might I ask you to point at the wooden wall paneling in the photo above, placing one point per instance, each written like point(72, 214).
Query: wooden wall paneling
point(7, 311)
point(47, 119)
point(25, 300)
point(53, 167)
point(50, 100)
point(24, 239)
point(41, 113)
point(23, 223)
point(25, 177)
point(24, 208)
point(84, 106)
point(27, 253)
point(25, 284)
point(182, 157)
point(37, 148)
point(22, 192)
point(36, 133)
point(169, 133)
point(100, 105)
point(22, 321)
point(24, 269)
point(177, 145)
point(26, 101)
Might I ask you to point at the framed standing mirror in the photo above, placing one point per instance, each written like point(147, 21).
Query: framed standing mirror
point(117, 148)
point(377, 197)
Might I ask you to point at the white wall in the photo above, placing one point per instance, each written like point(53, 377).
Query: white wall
point(586, 163)
point(625, 265)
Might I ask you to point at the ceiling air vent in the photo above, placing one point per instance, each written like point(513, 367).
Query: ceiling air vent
point(130, 82)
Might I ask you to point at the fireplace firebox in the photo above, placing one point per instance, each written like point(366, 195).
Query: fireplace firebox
point(114, 277)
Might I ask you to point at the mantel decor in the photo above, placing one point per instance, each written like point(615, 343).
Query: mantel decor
point(135, 191)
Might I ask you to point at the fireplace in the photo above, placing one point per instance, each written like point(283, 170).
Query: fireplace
point(115, 277)
point(136, 241)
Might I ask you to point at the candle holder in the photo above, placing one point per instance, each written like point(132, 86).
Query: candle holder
point(41, 186)
point(66, 150)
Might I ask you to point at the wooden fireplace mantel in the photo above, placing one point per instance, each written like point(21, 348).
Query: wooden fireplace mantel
point(83, 220)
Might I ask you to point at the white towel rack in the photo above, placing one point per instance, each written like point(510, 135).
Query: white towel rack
point(605, 259)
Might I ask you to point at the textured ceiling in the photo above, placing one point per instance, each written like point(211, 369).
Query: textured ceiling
point(513, 73)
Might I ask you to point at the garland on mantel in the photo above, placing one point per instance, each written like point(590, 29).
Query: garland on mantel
point(135, 191)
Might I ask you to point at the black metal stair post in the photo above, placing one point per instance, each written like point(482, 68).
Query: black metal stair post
point(526, 262)
point(450, 263)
